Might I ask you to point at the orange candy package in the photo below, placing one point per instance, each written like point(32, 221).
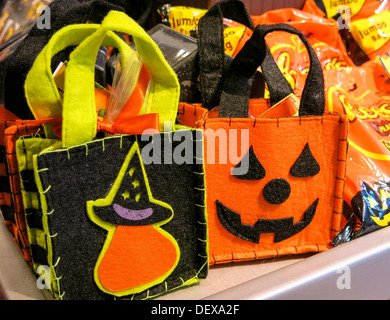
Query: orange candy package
point(364, 25)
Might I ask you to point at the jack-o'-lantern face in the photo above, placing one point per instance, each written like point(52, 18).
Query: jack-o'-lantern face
point(281, 192)
point(275, 192)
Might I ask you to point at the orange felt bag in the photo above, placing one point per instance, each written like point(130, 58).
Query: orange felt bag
point(289, 53)
point(11, 202)
point(283, 194)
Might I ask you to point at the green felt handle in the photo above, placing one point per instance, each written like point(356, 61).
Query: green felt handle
point(79, 115)
point(78, 108)
point(40, 89)
point(41, 92)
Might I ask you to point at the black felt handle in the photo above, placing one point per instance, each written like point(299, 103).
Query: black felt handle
point(234, 101)
point(211, 53)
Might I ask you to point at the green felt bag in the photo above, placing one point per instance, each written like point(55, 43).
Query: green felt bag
point(124, 216)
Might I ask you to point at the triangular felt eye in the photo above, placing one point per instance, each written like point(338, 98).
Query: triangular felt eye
point(306, 165)
point(249, 168)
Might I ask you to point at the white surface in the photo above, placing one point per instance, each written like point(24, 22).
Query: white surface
point(222, 277)
point(19, 283)
point(293, 277)
point(358, 270)
point(16, 278)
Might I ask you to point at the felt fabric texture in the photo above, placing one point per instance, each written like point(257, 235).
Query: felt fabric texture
point(11, 202)
point(311, 96)
point(24, 147)
point(245, 197)
point(211, 54)
point(306, 165)
point(63, 13)
point(78, 109)
point(139, 10)
point(280, 213)
point(129, 201)
point(255, 171)
point(5, 188)
point(282, 228)
point(69, 175)
point(235, 92)
point(7, 119)
point(164, 88)
point(68, 178)
point(276, 191)
point(132, 217)
point(18, 213)
point(213, 63)
point(136, 247)
point(189, 114)
point(41, 92)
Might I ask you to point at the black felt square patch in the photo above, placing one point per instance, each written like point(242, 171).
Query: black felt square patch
point(74, 176)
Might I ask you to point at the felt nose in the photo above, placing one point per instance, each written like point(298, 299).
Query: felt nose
point(276, 191)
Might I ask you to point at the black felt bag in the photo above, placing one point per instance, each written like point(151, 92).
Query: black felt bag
point(124, 216)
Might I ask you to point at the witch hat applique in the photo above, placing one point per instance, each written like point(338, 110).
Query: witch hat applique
point(137, 253)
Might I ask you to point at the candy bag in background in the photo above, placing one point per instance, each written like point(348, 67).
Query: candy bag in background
point(358, 9)
point(185, 20)
point(181, 18)
point(373, 33)
point(201, 73)
point(288, 51)
point(18, 17)
point(363, 25)
point(354, 92)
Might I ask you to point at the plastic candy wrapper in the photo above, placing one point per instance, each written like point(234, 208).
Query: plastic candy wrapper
point(288, 51)
point(364, 25)
point(357, 9)
point(373, 34)
point(185, 20)
point(18, 17)
point(124, 82)
point(181, 18)
point(180, 51)
point(354, 92)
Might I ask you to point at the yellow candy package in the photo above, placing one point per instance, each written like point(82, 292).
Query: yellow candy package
point(185, 20)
